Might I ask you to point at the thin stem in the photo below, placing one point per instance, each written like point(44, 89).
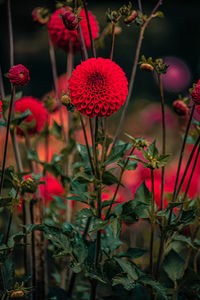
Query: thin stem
point(163, 138)
point(140, 5)
point(131, 83)
point(86, 142)
point(89, 29)
point(184, 175)
point(1, 84)
point(119, 182)
point(182, 151)
point(152, 223)
point(55, 79)
point(189, 182)
point(103, 156)
point(112, 42)
point(6, 140)
point(10, 35)
point(82, 43)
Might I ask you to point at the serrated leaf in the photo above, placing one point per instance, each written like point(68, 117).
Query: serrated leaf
point(118, 152)
point(97, 224)
point(132, 253)
point(129, 268)
point(173, 265)
point(56, 130)
point(108, 178)
point(160, 289)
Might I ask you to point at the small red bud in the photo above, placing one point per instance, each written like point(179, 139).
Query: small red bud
point(180, 108)
point(131, 18)
point(146, 67)
point(70, 20)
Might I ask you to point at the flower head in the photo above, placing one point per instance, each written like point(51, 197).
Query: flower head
point(196, 94)
point(98, 87)
point(61, 36)
point(36, 121)
point(198, 108)
point(19, 75)
point(180, 108)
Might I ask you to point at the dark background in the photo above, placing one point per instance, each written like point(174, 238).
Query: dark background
point(175, 35)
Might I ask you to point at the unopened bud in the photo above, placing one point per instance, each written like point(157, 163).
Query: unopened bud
point(131, 18)
point(17, 294)
point(66, 100)
point(41, 15)
point(70, 20)
point(146, 67)
point(180, 108)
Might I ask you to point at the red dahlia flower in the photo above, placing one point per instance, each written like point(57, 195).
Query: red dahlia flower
point(36, 121)
point(61, 36)
point(98, 87)
point(19, 75)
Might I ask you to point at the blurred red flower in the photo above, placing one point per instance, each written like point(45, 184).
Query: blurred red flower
point(34, 122)
point(61, 37)
point(19, 75)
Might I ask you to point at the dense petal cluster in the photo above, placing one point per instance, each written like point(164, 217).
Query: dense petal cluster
point(196, 94)
point(98, 87)
point(0, 108)
point(70, 20)
point(19, 75)
point(36, 121)
point(61, 36)
point(180, 108)
point(52, 187)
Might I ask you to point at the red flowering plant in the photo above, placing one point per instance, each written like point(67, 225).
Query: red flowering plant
point(106, 216)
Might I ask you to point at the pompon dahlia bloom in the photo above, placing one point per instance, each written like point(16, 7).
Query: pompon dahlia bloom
point(61, 36)
point(19, 75)
point(36, 121)
point(51, 188)
point(98, 87)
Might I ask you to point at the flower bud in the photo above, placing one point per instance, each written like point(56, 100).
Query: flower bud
point(66, 100)
point(41, 15)
point(28, 186)
point(17, 294)
point(180, 108)
point(146, 67)
point(70, 20)
point(131, 18)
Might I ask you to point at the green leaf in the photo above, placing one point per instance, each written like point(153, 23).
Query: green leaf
point(110, 242)
point(152, 150)
point(162, 160)
point(32, 155)
point(143, 194)
point(97, 224)
point(116, 225)
point(118, 152)
point(173, 265)
point(108, 178)
point(131, 166)
point(125, 281)
point(187, 217)
point(129, 268)
point(5, 201)
point(20, 118)
point(160, 289)
point(8, 270)
point(77, 198)
point(56, 130)
point(132, 253)
point(82, 177)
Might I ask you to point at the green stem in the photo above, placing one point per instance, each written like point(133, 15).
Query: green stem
point(10, 35)
point(152, 223)
point(119, 182)
point(112, 41)
point(89, 29)
point(6, 140)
